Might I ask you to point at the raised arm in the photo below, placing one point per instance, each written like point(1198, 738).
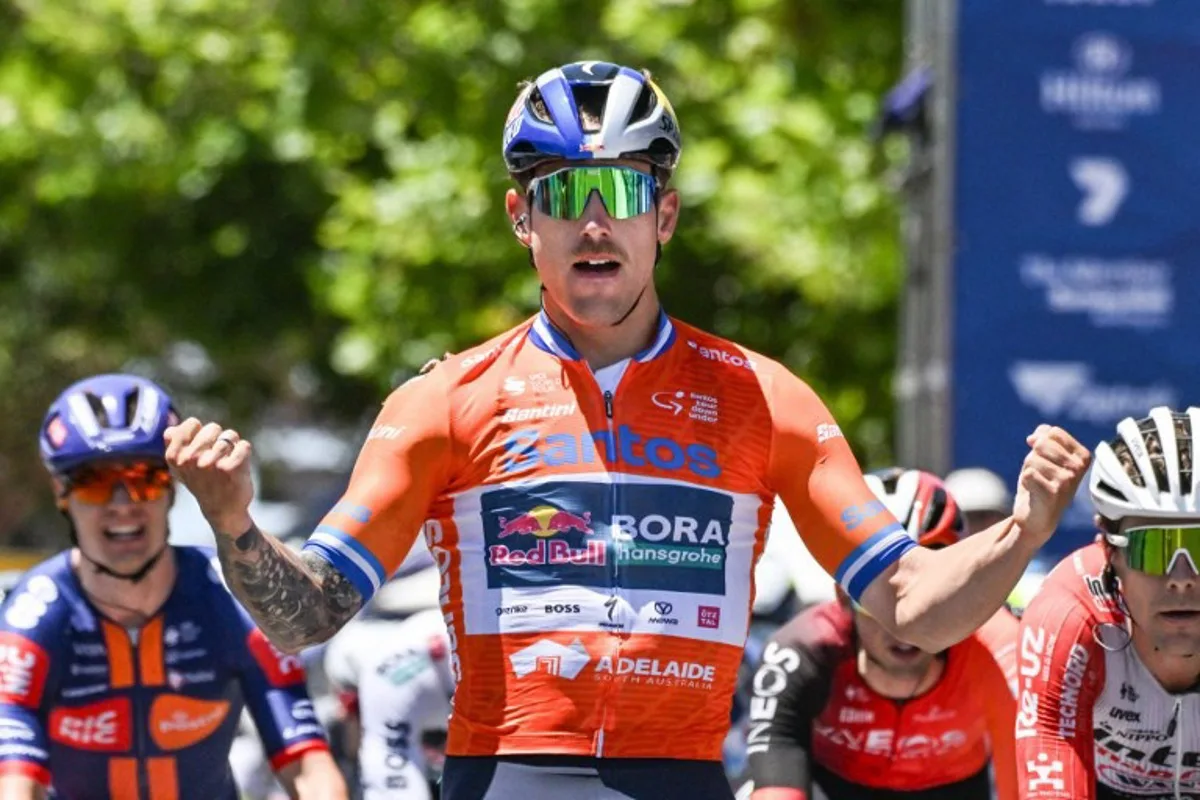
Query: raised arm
point(930, 598)
point(938, 597)
point(297, 599)
point(303, 599)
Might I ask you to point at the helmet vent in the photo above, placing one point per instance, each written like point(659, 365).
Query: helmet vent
point(538, 106)
point(131, 404)
point(591, 101)
point(1121, 451)
point(646, 103)
point(960, 522)
point(1110, 490)
point(1154, 449)
point(1183, 443)
point(98, 409)
point(937, 507)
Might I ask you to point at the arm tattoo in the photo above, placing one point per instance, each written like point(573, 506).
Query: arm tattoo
point(296, 599)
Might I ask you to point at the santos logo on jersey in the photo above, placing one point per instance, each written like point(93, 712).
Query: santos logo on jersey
point(527, 449)
point(561, 532)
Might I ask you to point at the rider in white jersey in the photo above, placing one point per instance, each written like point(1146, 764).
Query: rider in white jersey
point(1110, 647)
point(391, 669)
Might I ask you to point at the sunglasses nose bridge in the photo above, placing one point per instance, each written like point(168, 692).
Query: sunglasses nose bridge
point(1182, 567)
point(122, 494)
point(595, 210)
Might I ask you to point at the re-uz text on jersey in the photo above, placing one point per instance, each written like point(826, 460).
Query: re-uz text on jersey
point(529, 448)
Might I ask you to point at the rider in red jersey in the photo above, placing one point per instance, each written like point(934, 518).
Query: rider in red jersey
point(842, 710)
point(1110, 647)
point(595, 484)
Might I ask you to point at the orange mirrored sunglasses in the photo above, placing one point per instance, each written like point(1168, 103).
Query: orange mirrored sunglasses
point(144, 482)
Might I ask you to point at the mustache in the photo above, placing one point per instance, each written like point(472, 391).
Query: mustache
point(598, 247)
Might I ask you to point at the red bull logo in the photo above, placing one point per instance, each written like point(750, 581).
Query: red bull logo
point(543, 523)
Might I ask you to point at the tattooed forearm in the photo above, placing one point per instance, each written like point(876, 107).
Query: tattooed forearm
point(297, 599)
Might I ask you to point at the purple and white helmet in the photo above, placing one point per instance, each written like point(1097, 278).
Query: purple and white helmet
point(105, 417)
point(636, 119)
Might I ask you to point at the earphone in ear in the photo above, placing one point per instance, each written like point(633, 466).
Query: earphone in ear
point(521, 230)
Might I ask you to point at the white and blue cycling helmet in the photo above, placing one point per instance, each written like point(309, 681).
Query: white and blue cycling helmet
point(626, 116)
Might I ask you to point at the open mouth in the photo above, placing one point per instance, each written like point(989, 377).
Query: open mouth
point(597, 266)
point(125, 534)
point(1181, 615)
point(904, 650)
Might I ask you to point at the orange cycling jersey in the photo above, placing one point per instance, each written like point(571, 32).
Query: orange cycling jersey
point(596, 532)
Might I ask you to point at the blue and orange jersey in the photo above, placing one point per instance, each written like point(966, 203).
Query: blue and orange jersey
point(597, 531)
point(93, 709)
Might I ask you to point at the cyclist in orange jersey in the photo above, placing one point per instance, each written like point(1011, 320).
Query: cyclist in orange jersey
point(595, 485)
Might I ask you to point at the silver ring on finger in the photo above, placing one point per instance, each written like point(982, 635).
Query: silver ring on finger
point(228, 438)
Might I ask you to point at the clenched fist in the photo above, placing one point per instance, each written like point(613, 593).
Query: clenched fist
point(1049, 477)
point(214, 463)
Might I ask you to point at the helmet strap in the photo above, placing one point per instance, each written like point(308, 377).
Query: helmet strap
point(135, 577)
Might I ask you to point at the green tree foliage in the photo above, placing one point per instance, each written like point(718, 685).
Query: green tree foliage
point(312, 192)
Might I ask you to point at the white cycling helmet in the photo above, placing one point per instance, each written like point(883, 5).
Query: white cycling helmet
point(979, 489)
point(1124, 480)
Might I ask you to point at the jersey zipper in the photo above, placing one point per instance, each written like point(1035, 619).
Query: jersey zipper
point(609, 413)
point(612, 437)
point(143, 774)
point(1178, 730)
point(616, 452)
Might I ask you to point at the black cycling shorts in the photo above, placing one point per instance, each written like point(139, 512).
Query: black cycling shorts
point(582, 778)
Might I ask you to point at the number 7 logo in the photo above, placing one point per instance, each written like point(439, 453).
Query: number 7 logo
point(1104, 184)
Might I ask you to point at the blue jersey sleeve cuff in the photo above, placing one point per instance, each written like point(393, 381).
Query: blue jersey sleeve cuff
point(871, 558)
point(360, 568)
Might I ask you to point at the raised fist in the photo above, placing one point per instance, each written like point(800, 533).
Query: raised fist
point(214, 463)
point(1049, 477)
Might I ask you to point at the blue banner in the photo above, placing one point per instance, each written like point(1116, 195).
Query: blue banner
point(1077, 224)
